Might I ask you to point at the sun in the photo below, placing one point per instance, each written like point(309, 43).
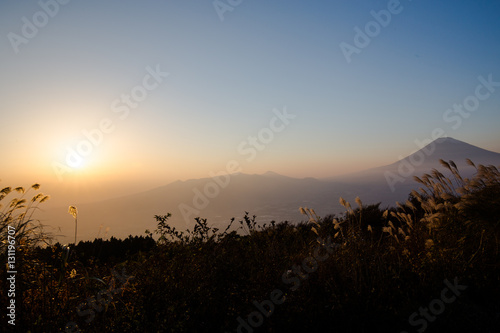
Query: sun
point(68, 163)
point(80, 165)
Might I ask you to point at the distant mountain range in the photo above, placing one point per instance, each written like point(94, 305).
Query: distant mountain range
point(269, 196)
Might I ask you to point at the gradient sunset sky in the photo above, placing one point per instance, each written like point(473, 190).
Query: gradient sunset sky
point(231, 69)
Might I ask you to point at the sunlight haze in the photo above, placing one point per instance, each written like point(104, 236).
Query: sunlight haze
point(175, 92)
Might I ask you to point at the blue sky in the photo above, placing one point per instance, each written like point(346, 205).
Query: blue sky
point(226, 78)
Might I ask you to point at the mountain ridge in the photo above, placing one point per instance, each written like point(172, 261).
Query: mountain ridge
point(445, 148)
point(270, 196)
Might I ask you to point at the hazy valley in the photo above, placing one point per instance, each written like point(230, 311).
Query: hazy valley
point(269, 196)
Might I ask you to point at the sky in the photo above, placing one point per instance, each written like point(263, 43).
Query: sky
point(106, 98)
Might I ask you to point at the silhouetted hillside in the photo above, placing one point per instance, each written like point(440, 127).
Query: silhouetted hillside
point(430, 264)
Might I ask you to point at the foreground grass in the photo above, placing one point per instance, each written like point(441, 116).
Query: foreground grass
point(367, 270)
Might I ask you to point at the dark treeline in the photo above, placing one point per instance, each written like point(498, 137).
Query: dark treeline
point(101, 251)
